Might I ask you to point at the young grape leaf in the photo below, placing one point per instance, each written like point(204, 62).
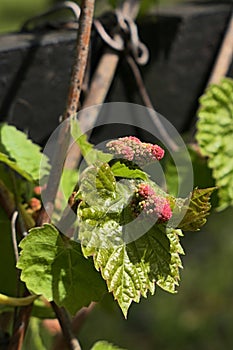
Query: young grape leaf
point(197, 209)
point(103, 345)
point(132, 269)
point(54, 266)
point(90, 154)
point(23, 152)
point(120, 169)
point(100, 218)
point(97, 184)
point(215, 136)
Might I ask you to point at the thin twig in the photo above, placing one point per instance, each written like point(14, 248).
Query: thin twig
point(224, 57)
point(13, 233)
point(76, 324)
point(100, 84)
point(16, 252)
point(81, 316)
point(81, 53)
point(219, 70)
point(147, 101)
point(77, 76)
point(65, 323)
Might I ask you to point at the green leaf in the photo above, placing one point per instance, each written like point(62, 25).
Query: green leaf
point(53, 265)
point(97, 184)
point(197, 209)
point(13, 165)
point(103, 345)
point(23, 152)
point(69, 179)
point(100, 218)
point(131, 270)
point(215, 136)
point(120, 169)
point(90, 154)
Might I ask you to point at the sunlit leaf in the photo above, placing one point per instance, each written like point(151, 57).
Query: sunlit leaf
point(103, 345)
point(27, 155)
point(215, 136)
point(52, 265)
point(120, 169)
point(90, 154)
point(130, 270)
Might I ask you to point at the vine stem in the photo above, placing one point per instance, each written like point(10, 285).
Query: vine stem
point(13, 234)
point(72, 105)
point(81, 54)
point(147, 101)
point(65, 323)
point(76, 324)
point(100, 84)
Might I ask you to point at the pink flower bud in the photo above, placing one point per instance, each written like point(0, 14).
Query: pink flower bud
point(150, 203)
point(131, 148)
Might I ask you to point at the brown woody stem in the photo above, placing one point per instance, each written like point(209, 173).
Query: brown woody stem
point(65, 323)
point(77, 76)
point(81, 54)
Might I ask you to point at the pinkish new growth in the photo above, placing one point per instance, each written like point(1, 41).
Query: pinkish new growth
point(132, 149)
point(150, 203)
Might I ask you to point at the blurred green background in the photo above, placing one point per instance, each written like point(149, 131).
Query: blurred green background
point(200, 316)
point(13, 13)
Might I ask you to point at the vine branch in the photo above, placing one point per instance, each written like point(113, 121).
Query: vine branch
point(65, 323)
point(77, 76)
point(81, 54)
point(101, 82)
point(76, 324)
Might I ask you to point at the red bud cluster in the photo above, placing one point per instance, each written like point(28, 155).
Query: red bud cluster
point(147, 201)
point(132, 149)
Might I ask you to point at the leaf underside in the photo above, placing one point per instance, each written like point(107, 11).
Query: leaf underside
point(215, 136)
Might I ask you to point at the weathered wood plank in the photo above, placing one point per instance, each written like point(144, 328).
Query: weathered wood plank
point(183, 42)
